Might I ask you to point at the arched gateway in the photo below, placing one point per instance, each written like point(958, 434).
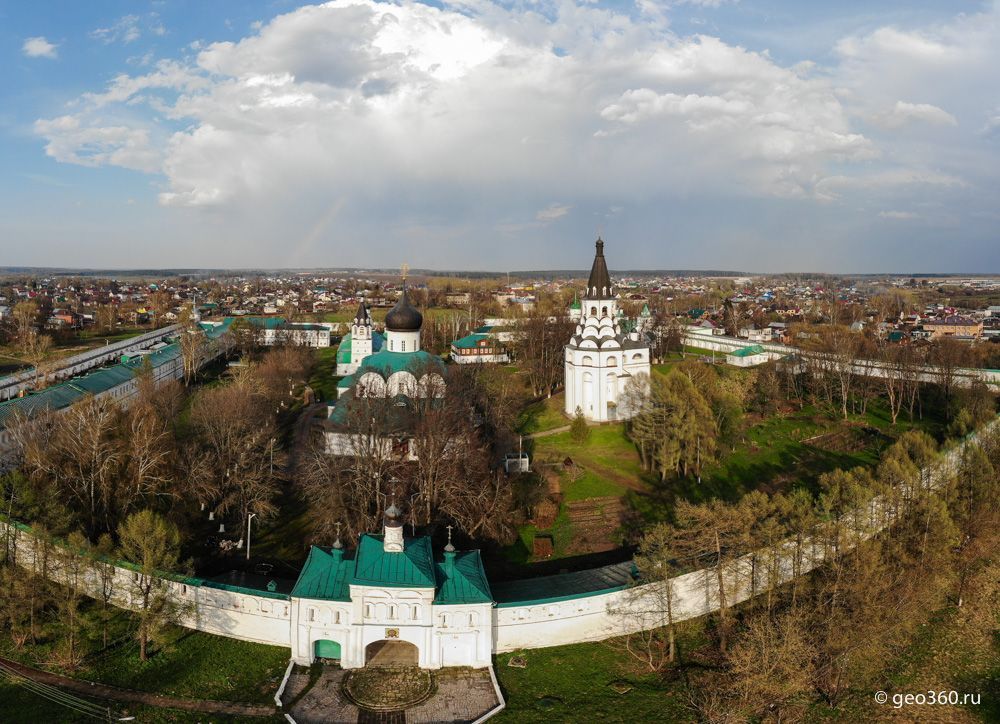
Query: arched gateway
point(392, 604)
point(391, 652)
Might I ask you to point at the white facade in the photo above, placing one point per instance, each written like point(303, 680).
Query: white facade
point(298, 334)
point(361, 342)
point(601, 360)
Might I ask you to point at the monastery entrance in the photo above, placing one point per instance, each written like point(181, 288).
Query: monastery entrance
point(391, 653)
point(326, 649)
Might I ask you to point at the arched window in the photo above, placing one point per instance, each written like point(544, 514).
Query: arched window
point(612, 361)
point(416, 613)
point(404, 345)
point(593, 311)
point(392, 612)
point(604, 311)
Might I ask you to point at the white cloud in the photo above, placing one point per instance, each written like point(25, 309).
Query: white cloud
point(903, 113)
point(71, 142)
point(424, 117)
point(552, 212)
point(126, 29)
point(898, 215)
point(40, 48)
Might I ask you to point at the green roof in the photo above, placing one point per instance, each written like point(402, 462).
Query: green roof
point(575, 304)
point(344, 351)
point(747, 351)
point(462, 579)
point(325, 576)
point(414, 567)
point(386, 363)
point(470, 341)
point(564, 586)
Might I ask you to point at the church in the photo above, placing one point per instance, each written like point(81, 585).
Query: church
point(393, 600)
point(399, 371)
point(605, 353)
point(362, 342)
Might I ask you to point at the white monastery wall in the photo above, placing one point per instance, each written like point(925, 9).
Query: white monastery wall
point(443, 633)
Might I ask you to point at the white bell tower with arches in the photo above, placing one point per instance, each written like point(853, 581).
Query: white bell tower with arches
point(600, 359)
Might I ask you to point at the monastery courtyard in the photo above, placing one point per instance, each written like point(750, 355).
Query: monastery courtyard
point(322, 694)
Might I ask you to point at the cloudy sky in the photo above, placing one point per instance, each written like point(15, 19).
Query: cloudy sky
point(764, 135)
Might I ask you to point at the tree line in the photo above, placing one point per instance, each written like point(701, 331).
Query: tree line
point(896, 545)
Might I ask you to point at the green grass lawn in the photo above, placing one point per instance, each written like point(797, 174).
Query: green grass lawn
point(196, 665)
point(572, 684)
point(20, 706)
point(607, 454)
point(543, 415)
point(324, 380)
point(590, 485)
point(185, 663)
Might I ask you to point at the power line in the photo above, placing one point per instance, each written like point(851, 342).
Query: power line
point(54, 694)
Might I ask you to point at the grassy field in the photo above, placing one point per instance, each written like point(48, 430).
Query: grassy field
point(574, 683)
point(186, 664)
point(546, 414)
point(20, 706)
point(324, 379)
point(607, 458)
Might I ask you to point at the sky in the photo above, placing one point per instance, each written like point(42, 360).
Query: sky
point(754, 135)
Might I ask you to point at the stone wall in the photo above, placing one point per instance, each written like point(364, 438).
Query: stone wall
point(267, 617)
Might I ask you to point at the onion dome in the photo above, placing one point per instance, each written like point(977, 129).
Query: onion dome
point(599, 284)
point(393, 515)
point(404, 317)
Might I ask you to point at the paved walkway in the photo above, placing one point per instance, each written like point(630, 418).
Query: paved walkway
point(93, 690)
point(463, 695)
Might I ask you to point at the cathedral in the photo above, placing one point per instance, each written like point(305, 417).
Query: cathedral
point(398, 371)
point(606, 352)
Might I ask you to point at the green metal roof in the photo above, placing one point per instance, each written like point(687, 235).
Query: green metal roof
point(747, 351)
point(414, 567)
point(564, 586)
point(461, 579)
point(470, 341)
point(325, 576)
point(386, 363)
point(344, 351)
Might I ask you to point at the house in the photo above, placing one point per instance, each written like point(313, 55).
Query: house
point(747, 356)
point(275, 331)
point(954, 326)
point(478, 347)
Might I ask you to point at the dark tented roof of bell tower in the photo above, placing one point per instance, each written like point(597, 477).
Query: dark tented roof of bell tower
point(599, 284)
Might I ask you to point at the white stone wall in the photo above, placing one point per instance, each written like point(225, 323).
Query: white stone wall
point(238, 614)
point(254, 617)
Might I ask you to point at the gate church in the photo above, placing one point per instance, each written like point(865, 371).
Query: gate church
point(606, 352)
point(393, 603)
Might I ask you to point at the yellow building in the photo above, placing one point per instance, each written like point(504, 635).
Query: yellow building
point(954, 327)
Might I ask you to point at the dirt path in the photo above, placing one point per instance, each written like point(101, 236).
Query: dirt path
point(546, 433)
point(300, 436)
point(113, 693)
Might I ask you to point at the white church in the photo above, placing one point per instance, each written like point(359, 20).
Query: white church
point(393, 600)
point(601, 357)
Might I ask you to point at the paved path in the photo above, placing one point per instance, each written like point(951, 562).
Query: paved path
point(113, 693)
point(300, 435)
point(462, 696)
